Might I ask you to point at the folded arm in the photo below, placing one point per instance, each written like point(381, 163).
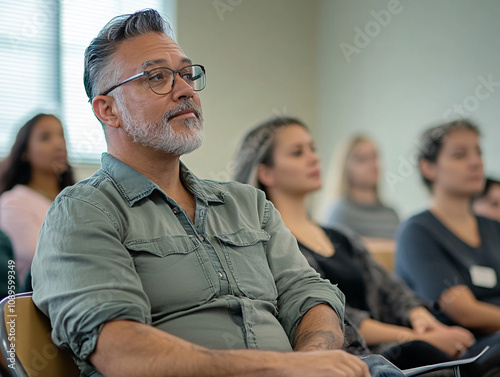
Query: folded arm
point(448, 339)
point(460, 304)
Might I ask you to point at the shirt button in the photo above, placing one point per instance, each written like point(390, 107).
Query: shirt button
point(221, 275)
point(201, 238)
point(175, 210)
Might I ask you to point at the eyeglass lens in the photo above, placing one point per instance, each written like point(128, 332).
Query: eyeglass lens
point(161, 79)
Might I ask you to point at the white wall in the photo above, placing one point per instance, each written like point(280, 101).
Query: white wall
point(429, 56)
point(270, 57)
point(260, 58)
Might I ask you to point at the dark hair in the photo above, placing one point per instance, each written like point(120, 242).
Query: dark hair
point(257, 148)
point(433, 139)
point(14, 169)
point(98, 54)
point(487, 185)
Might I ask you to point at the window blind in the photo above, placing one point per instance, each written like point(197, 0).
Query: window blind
point(28, 75)
point(42, 43)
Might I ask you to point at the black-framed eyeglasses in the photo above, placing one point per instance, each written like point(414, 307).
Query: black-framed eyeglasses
point(162, 80)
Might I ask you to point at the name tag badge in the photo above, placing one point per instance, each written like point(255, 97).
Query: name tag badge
point(483, 276)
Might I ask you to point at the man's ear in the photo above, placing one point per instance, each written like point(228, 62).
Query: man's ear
point(106, 109)
point(428, 169)
point(265, 175)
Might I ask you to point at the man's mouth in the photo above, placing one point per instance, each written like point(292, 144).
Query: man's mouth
point(189, 113)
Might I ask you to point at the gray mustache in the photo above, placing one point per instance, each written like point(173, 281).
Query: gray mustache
point(185, 105)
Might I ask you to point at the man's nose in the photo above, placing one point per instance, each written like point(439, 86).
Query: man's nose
point(181, 89)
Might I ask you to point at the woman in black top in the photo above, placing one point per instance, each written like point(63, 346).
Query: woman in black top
point(278, 156)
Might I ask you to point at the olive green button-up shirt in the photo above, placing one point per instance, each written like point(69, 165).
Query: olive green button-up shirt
point(115, 246)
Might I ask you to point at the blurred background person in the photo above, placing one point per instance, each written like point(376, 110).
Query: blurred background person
point(278, 156)
point(31, 176)
point(6, 255)
point(447, 254)
point(487, 203)
point(355, 201)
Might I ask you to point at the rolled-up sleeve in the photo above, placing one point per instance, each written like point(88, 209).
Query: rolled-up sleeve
point(82, 274)
point(299, 286)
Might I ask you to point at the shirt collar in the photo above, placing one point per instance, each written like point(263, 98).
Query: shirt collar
point(133, 186)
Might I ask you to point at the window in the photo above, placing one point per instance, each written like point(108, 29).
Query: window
point(42, 43)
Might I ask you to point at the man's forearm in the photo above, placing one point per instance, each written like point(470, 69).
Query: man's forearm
point(319, 329)
point(132, 349)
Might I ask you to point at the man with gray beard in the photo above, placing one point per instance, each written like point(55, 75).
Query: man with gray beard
point(160, 135)
point(146, 270)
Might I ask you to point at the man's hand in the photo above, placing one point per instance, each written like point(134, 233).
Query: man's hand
point(335, 363)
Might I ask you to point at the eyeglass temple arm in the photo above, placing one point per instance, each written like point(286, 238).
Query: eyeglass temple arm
point(123, 82)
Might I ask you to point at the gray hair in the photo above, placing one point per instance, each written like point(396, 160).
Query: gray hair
point(99, 53)
point(257, 148)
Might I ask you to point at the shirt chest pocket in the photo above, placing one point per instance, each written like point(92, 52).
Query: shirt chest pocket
point(246, 255)
point(172, 272)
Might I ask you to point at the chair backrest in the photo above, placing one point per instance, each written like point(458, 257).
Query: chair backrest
point(384, 258)
point(383, 251)
point(26, 344)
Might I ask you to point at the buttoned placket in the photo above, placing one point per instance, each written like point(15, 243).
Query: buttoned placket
point(240, 309)
point(197, 229)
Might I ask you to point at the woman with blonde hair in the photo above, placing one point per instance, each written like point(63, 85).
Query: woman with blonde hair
point(353, 188)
